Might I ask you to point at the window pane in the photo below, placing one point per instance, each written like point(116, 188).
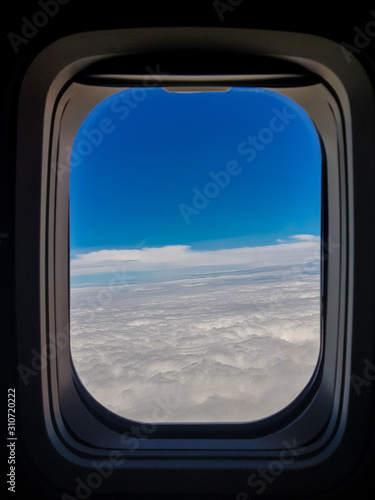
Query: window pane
point(195, 253)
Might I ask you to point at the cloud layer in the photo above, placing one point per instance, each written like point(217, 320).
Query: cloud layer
point(229, 346)
point(289, 252)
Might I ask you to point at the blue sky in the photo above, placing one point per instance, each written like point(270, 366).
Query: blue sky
point(208, 170)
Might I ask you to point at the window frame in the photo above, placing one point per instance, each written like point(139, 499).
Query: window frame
point(77, 431)
point(84, 98)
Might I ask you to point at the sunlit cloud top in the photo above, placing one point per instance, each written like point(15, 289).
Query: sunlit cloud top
point(296, 250)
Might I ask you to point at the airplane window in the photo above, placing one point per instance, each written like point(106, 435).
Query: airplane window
point(195, 263)
point(193, 293)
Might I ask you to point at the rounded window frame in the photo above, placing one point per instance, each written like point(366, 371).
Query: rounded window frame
point(53, 392)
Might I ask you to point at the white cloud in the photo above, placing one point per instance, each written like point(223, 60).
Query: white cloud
point(221, 347)
point(300, 249)
point(306, 237)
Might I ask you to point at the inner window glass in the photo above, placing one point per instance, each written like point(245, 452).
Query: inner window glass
point(195, 226)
